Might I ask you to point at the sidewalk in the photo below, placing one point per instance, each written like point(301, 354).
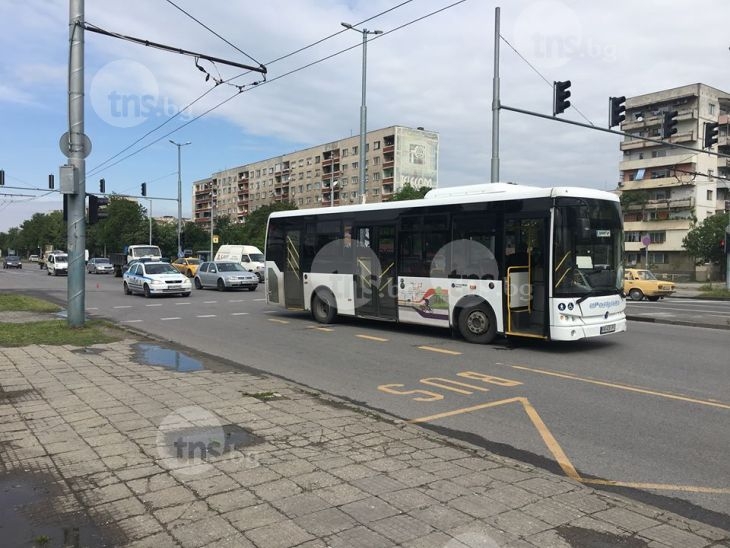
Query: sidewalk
point(102, 449)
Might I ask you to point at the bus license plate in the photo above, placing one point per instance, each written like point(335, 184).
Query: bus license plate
point(608, 328)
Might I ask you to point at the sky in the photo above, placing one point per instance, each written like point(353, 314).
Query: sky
point(432, 67)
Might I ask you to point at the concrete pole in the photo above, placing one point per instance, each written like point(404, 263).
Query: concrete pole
point(363, 115)
point(76, 223)
point(495, 103)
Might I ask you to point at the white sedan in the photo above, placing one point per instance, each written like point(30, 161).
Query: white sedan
point(155, 278)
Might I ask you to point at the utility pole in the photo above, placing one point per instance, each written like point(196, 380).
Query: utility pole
point(78, 149)
point(179, 197)
point(495, 102)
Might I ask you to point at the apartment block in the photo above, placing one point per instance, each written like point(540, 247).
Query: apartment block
point(665, 189)
point(322, 176)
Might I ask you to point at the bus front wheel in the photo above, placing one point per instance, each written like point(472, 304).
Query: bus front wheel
point(324, 309)
point(477, 324)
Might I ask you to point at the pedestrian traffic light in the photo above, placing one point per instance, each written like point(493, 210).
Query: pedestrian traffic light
point(617, 111)
point(2, 177)
point(97, 208)
point(560, 96)
point(102, 186)
point(669, 124)
point(711, 131)
point(51, 181)
point(65, 207)
point(144, 189)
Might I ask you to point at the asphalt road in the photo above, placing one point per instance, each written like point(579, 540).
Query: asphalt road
point(644, 413)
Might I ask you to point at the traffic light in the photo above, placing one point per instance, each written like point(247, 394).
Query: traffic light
point(711, 131)
point(560, 96)
point(2, 177)
point(51, 181)
point(102, 186)
point(722, 246)
point(669, 124)
point(617, 111)
point(97, 208)
point(65, 207)
point(144, 189)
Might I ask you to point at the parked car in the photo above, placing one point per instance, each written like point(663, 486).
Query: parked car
point(100, 265)
point(33, 258)
point(12, 261)
point(187, 266)
point(155, 278)
point(225, 275)
point(640, 283)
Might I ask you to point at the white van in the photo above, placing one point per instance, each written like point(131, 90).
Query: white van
point(57, 264)
point(249, 256)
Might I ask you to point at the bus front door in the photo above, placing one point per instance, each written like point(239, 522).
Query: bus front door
point(525, 242)
point(375, 283)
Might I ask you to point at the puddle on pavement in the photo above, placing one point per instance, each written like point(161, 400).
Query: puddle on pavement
point(151, 354)
point(28, 518)
point(580, 536)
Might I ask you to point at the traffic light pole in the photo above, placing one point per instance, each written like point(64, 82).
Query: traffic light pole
point(495, 103)
point(612, 131)
point(76, 227)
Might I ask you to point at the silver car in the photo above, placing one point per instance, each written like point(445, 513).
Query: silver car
point(99, 265)
point(225, 275)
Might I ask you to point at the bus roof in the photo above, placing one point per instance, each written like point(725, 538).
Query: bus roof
point(488, 192)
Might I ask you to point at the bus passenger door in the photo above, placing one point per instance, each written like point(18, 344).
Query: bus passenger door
point(294, 292)
point(525, 268)
point(375, 282)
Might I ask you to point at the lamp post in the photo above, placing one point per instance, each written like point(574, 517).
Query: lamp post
point(179, 196)
point(363, 106)
point(149, 214)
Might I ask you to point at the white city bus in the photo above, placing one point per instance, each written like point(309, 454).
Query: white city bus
point(485, 260)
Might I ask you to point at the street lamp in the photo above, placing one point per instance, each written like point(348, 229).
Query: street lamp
point(363, 107)
point(179, 196)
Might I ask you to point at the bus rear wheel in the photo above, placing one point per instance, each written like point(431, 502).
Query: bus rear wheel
point(324, 309)
point(477, 324)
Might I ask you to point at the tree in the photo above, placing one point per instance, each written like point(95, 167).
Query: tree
point(703, 241)
point(126, 224)
point(407, 192)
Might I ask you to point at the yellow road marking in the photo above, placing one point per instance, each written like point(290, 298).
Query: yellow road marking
point(318, 328)
point(371, 338)
point(440, 350)
point(624, 387)
point(550, 441)
point(277, 321)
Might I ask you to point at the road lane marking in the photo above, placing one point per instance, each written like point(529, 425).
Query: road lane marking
point(440, 350)
point(371, 338)
point(153, 304)
point(131, 321)
point(178, 304)
point(547, 437)
point(123, 306)
point(171, 318)
point(260, 300)
point(205, 316)
point(93, 308)
point(238, 313)
point(210, 302)
point(236, 301)
point(318, 328)
point(277, 321)
point(624, 387)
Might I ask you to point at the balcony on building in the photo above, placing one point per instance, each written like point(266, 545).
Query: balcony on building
point(329, 157)
point(388, 143)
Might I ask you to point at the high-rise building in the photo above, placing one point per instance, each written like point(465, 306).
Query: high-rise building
point(323, 175)
point(665, 189)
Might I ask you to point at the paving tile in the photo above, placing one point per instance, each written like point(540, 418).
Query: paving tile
point(279, 535)
point(401, 528)
point(203, 532)
point(254, 517)
point(369, 509)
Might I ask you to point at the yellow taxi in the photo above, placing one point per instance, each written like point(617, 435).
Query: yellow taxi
point(640, 283)
point(187, 266)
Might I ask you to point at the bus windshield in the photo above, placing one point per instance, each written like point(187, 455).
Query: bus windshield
point(588, 244)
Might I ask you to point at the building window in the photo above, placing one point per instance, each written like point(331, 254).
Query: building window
point(376, 176)
point(309, 174)
point(354, 180)
point(376, 145)
point(316, 159)
point(309, 161)
point(301, 175)
point(658, 153)
point(301, 162)
point(657, 237)
point(712, 108)
point(354, 165)
point(309, 187)
point(710, 176)
point(354, 151)
point(657, 258)
point(345, 152)
point(633, 236)
point(376, 161)
point(709, 195)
